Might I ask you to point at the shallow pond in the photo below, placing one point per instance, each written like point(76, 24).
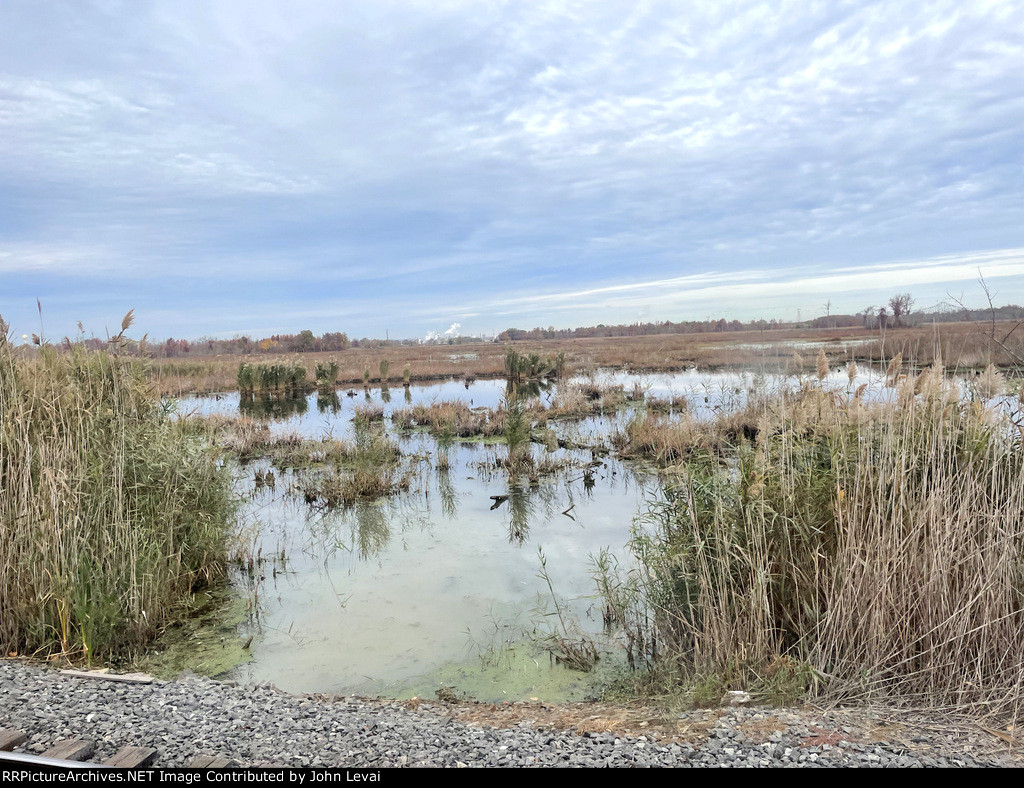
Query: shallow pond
point(434, 586)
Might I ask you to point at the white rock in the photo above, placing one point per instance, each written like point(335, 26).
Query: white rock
point(736, 698)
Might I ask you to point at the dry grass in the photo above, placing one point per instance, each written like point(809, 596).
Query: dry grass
point(451, 419)
point(849, 549)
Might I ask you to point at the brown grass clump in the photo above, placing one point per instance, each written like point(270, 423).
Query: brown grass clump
point(451, 418)
point(368, 468)
point(659, 439)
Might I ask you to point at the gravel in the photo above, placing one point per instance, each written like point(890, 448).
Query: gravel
point(263, 726)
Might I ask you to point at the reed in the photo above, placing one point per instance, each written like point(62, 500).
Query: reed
point(326, 375)
point(111, 513)
point(857, 550)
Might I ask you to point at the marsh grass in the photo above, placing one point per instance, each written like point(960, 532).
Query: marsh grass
point(962, 346)
point(451, 419)
point(111, 513)
point(368, 468)
point(847, 550)
point(272, 379)
point(326, 375)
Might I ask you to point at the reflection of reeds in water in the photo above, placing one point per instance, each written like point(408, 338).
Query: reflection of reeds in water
point(449, 497)
point(385, 393)
point(270, 407)
point(328, 403)
point(520, 508)
point(372, 530)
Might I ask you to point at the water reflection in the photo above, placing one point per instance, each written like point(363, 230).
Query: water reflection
point(272, 407)
point(372, 530)
point(446, 491)
point(528, 389)
point(328, 402)
point(520, 508)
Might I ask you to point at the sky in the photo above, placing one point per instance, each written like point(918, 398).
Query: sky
point(393, 168)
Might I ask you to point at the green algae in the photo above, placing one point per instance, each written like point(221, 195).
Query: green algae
point(210, 643)
point(520, 671)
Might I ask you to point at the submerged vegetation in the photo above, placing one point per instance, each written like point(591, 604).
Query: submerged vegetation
point(111, 513)
point(328, 472)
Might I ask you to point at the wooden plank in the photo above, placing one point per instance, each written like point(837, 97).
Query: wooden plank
point(132, 678)
point(71, 750)
point(132, 757)
point(10, 738)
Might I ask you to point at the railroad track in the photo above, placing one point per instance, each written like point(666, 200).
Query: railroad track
point(77, 754)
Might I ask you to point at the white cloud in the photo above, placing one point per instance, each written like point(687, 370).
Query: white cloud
point(450, 151)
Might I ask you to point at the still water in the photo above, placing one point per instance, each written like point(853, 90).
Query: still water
point(429, 588)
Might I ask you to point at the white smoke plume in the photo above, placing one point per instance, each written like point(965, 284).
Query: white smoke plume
point(451, 333)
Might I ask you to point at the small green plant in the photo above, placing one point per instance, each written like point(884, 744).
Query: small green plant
point(517, 435)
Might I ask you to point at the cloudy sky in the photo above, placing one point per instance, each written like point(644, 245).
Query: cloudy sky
point(369, 166)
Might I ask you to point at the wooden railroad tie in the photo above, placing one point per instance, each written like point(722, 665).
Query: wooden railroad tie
point(10, 738)
point(71, 750)
point(132, 758)
point(79, 751)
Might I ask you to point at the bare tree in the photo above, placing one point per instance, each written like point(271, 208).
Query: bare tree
point(991, 336)
point(900, 304)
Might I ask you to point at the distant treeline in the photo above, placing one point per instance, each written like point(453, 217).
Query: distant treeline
point(308, 342)
point(868, 318)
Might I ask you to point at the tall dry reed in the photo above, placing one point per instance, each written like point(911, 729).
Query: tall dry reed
point(111, 512)
point(859, 550)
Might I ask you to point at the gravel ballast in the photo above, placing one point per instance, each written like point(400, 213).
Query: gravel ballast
point(263, 726)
